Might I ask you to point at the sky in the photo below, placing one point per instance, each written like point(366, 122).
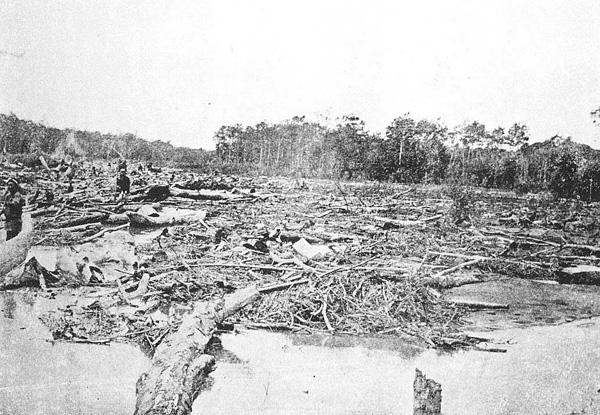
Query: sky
point(178, 70)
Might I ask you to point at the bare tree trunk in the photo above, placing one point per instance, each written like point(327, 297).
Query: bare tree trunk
point(278, 152)
point(400, 155)
point(179, 365)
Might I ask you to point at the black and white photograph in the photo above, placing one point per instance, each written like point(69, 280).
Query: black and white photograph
point(277, 207)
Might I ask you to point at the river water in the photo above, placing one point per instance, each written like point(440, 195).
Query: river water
point(38, 376)
point(546, 370)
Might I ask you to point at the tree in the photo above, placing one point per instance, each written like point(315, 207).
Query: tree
point(350, 143)
point(507, 173)
point(226, 139)
point(564, 177)
point(517, 135)
point(404, 152)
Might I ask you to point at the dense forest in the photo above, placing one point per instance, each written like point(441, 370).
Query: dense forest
point(19, 136)
point(411, 151)
point(414, 151)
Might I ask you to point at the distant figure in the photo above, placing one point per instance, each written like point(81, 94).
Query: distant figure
point(69, 174)
point(94, 172)
point(61, 168)
point(13, 208)
point(123, 184)
point(122, 165)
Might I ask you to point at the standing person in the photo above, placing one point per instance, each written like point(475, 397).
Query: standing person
point(13, 208)
point(123, 184)
point(122, 165)
point(70, 173)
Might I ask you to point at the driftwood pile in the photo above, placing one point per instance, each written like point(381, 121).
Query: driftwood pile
point(362, 258)
point(329, 257)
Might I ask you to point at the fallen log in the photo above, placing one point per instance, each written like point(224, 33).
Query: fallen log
point(151, 193)
point(580, 274)
point(406, 223)
point(82, 220)
point(592, 249)
point(117, 219)
point(447, 281)
point(102, 232)
point(248, 266)
point(282, 286)
point(209, 195)
point(479, 304)
point(43, 212)
point(80, 228)
point(145, 221)
point(179, 364)
point(459, 266)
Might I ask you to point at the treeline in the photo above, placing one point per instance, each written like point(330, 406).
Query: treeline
point(410, 151)
point(19, 136)
point(413, 151)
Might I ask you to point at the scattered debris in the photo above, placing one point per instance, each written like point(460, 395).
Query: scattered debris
point(330, 258)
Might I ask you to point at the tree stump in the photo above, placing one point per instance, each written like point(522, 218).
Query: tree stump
point(428, 395)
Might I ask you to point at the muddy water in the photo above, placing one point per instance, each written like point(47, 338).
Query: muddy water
point(547, 370)
point(38, 376)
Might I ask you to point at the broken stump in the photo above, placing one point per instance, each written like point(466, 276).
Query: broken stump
point(427, 395)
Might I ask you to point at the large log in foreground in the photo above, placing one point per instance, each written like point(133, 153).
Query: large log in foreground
point(179, 364)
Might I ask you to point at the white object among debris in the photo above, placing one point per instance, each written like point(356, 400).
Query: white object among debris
point(311, 251)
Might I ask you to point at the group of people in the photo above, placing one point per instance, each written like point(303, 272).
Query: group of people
point(13, 200)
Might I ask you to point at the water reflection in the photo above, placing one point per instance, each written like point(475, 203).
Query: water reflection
point(9, 306)
point(38, 376)
point(547, 370)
